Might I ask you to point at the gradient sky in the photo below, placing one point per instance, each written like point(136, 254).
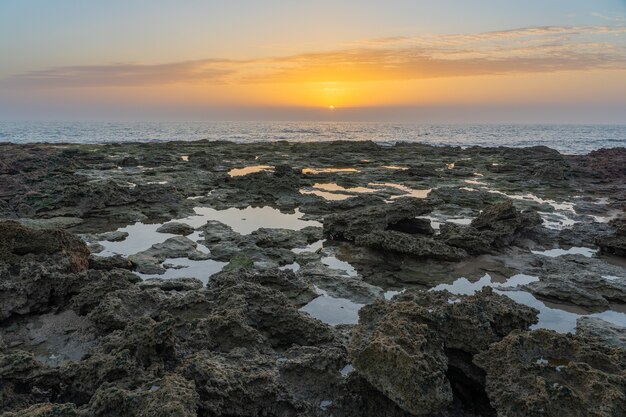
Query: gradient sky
point(555, 61)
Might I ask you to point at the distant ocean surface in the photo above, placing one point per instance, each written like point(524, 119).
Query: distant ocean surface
point(571, 139)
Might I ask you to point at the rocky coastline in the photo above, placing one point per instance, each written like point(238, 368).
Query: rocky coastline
point(311, 279)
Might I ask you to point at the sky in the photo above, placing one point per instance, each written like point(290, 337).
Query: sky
point(471, 61)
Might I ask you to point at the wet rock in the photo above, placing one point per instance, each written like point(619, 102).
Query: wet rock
point(406, 347)
point(608, 333)
point(176, 228)
point(546, 373)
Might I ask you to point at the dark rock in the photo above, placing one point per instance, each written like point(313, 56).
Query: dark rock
point(176, 228)
point(550, 374)
point(39, 269)
point(405, 347)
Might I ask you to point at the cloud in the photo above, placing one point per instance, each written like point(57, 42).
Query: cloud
point(614, 18)
point(522, 50)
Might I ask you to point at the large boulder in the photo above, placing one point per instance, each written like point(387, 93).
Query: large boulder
point(350, 224)
point(544, 373)
point(496, 227)
point(39, 269)
point(407, 347)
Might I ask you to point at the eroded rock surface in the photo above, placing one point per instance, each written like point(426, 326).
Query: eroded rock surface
point(544, 373)
point(405, 348)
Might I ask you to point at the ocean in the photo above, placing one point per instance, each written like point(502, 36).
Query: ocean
point(570, 139)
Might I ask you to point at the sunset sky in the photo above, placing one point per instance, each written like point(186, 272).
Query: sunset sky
point(555, 61)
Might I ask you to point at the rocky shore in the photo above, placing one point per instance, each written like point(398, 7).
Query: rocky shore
point(311, 279)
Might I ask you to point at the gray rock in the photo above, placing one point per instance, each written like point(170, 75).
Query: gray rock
point(176, 228)
point(608, 333)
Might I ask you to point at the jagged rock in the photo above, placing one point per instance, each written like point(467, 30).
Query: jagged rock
point(421, 246)
point(496, 227)
point(288, 283)
point(39, 269)
point(405, 347)
point(351, 224)
point(616, 243)
point(176, 228)
point(149, 261)
point(550, 374)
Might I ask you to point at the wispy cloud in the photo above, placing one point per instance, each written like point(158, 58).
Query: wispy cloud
point(523, 50)
point(613, 18)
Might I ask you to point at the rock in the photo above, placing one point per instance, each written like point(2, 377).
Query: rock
point(405, 347)
point(46, 410)
point(51, 223)
point(496, 227)
point(579, 280)
point(107, 263)
point(39, 269)
point(616, 243)
point(288, 283)
point(350, 224)
point(420, 246)
point(114, 236)
point(149, 261)
point(455, 196)
point(608, 333)
point(17, 242)
point(176, 228)
point(545, 373)
point(174, 284)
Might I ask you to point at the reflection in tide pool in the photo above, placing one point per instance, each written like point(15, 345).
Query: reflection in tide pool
point(313, 247)
point(327, 170)
point(240, 172)
point(334, 263)
point(249, 219)
point(575, 250)
point(295, 267)
point(142, 236)
point(333, 311)
point(335, 192)
point(557, 319)
point(463, 286)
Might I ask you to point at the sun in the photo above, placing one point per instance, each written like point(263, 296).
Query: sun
point(331, 107)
